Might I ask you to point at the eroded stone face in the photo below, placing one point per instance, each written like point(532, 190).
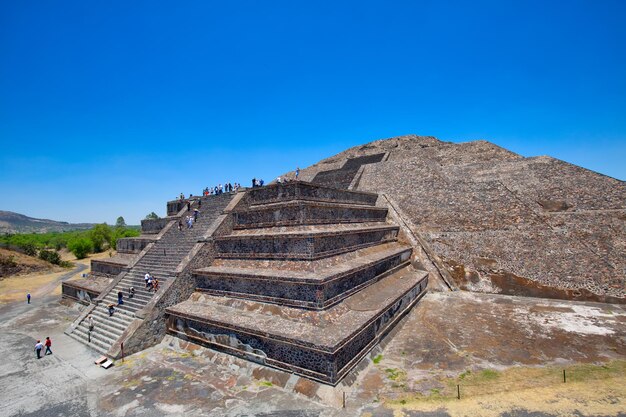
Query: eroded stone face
point(513, 225)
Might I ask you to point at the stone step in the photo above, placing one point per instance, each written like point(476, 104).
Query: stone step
point(322, 345)
point(307, 213)
point(134, 304)
point(304, 242)
point(161, 260)
point(318, 288)
point(95, 347)
point(101, 334)
point(300, 190)
point(119, 319)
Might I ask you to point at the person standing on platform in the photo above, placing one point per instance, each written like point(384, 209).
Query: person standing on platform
point(28, 298)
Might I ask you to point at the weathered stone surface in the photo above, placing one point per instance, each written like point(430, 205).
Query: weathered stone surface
point(554, 224)
point(312, 285)
point(153, 226)
point(133, 244)
point(323, 345)
point(84, 290)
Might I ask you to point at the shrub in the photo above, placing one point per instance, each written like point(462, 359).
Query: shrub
point(152, 216)
point(80, 247)
point(50, 256)
point(30, 249)
point(8, 261)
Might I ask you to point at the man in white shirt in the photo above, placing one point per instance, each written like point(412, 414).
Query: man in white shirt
point(38, 347)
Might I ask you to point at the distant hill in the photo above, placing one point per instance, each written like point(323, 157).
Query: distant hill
point(11, 222)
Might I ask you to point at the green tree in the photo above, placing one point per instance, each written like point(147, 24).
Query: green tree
point(120, 233)
point(120, 222)
point(99, 235)
point(152, 216)
point(80, 247)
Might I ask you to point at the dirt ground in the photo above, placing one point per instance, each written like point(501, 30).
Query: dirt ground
point(42, 283)
point(505, 354)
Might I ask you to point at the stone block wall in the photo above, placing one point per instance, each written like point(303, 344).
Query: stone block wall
point(308, 213)
point(133, 244)
point(307, 293)
point(303, 246)
point(102, 267)
point(297, 190)
point(154, 226)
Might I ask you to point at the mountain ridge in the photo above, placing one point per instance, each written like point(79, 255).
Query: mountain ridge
point(11, 222)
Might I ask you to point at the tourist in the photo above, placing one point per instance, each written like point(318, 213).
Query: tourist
point(90, 326)
point(28, 298)
point(199, 203)
point(188, 205)
point(182, 196)
point(111, 309)
point(180, 225)
point(155, 285)
point(261, 182)
point(120, 298)
point(48, 346)
point(195, 214)
point(146, 278)
point(297, 172)
point(253, 182)
point(131, 292)
point(279, 180)
point(149, 283)
point(38, 347)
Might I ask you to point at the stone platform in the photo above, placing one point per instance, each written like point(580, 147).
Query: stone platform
point(317, 284)
point(322, 345)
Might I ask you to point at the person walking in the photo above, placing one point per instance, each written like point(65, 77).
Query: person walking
point(48, 346)
point(38, 347)
point(195, 214)
point(120, 298)
point(297, 173)
point(28, 298)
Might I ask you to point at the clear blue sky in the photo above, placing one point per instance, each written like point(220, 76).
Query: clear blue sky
point(112, 108)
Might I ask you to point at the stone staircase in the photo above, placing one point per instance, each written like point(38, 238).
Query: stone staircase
point(342, 177)
point(162, 261)
point(309, 280)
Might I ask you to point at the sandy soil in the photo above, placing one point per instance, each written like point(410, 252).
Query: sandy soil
point(15, 288)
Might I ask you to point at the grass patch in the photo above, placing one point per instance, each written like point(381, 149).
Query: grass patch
point(377, 359)
point(489, 374)
point(266, 384)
